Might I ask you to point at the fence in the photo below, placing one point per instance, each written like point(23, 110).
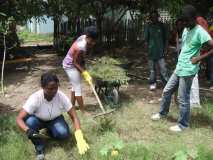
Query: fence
point(125, 33)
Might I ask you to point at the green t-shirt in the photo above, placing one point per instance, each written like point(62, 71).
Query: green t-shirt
point(192, 41)
point(155, 35)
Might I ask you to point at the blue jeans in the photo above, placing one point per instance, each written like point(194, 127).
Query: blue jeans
point(184, 86)
point(163, 71)
point(57, 128)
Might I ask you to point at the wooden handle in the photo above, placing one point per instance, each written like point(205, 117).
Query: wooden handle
point(97, 97)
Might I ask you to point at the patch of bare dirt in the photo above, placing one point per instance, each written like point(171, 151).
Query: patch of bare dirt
point(5, 108)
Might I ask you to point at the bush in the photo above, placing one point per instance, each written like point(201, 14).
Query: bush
point(107, 69)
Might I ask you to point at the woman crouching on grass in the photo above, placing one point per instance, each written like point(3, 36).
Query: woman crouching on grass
point(44, 109)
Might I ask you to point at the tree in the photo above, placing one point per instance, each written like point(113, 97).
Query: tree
point(4, 30)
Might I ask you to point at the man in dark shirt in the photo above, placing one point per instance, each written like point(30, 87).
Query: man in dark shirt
point(156, 40)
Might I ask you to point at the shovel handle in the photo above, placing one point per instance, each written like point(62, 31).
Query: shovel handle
point(97, 97)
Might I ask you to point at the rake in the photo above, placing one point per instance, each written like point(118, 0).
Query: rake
point(104, 112)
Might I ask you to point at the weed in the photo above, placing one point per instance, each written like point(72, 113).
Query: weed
point(106, 124)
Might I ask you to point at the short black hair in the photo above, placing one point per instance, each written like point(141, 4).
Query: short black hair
point(48, 77)
point(154, 12)
point(178, 20)
point(91, 32)
point(189, 11)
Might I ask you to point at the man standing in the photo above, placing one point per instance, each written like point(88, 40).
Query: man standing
point(193, 37)
point(156, 41)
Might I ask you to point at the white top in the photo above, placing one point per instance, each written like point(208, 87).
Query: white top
point(47, 110)
point(79, 45)
point(82, 43)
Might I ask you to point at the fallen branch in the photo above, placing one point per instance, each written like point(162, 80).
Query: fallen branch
point(139, 77)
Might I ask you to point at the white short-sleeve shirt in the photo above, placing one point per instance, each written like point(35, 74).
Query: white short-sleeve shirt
point(47, 110)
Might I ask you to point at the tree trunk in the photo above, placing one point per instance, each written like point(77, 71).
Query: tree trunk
point(56, 34)
point(99, 26)
point(2, 68)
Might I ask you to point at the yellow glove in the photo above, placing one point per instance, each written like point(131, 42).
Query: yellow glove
point(81, 143)
point(87, 76)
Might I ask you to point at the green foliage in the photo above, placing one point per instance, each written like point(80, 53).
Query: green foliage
point(208, 107)
point(23, 10)
point(13, 145)
point(69, 41)
point(184, 155)
point(174, 7)
point(110, 141)
point(108, 60)
point(132, 126)
point(204, 115)
point(5, 25)
point(106, 69)
point(27, 36)
point(106, 125)
point(136, 151)
point(202, 153)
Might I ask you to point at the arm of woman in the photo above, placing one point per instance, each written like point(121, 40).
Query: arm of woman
point(77, 59)
point(74, 118)
point(81, 143)
point(20, 120)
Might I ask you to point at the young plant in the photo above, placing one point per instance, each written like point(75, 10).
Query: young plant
point(106, 125)
point(184, 155)
point(4, 29)
point(112, 144)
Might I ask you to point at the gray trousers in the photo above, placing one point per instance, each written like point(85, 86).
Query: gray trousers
point(163, 71)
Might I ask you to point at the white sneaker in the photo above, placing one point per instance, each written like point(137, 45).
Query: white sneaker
point(40, 157)
point(156, 117)
point(176, 128)
point(153, 86)
point(211, 88)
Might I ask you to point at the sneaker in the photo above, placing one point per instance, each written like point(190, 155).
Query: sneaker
point(153, 86)
point(211, 88)
point(40, 156)
point(156, 117)
point(176, 128)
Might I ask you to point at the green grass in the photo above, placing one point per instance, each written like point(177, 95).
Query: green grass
point(13, 144)
point(28, 37)
point(129, 130)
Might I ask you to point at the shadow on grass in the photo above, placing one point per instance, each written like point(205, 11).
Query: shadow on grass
point(200, 119)
point(171, 119)
point(125, 98)
point(67, 144)
point(92, 107)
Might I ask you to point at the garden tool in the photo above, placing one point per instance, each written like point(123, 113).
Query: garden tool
point(99, 102)
point(88, 78)
point(42, 134)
